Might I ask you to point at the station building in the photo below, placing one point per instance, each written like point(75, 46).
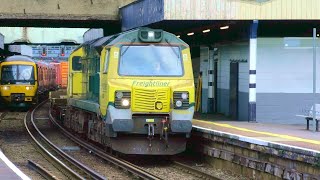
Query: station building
point(255, 56)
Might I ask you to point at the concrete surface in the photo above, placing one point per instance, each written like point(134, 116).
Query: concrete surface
point(62, 9)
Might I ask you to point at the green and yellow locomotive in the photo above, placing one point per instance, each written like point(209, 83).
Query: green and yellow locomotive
point(133, 92)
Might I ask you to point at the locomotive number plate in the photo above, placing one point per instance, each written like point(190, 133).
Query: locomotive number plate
point(150, 120)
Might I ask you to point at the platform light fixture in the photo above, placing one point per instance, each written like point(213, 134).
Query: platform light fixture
point(206, 31)
point(224, 27)
point(190, 34)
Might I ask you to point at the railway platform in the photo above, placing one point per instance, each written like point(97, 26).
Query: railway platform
point(261, 150)
point(275, 135)
point(8, 170)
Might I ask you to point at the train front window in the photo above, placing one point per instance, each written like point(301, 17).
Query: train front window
point(150, 61)
point(17, 74)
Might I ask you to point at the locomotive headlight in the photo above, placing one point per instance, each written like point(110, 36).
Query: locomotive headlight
point(119, 95)
point(151, 34)
point(184, 96)
point(28, 87)
point(6, 87)
point(181, 99)
point(122, 99)
point(178, 103)
point(125, 102)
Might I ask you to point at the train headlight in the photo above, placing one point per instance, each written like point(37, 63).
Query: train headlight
point(28, 87)
point(184, 96)
point(6, 88)
point(150, 35)
point(181, 99)
point(125, 102)
point(122, 99)
point(119, 95)
point(178, 103)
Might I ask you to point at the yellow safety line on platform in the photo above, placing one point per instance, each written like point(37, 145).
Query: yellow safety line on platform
point(264, 133)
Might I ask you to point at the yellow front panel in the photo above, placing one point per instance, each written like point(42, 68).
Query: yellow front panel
point(29, 90)
point(150, 100)
point(144, 97)
point(7, 90)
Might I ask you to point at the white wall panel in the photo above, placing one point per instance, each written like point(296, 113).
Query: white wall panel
point(284, 65)
point(233, 51)
point(1, 41)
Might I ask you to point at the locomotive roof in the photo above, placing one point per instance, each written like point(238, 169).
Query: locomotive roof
point(19, 58)
point(130, 36)
point(27, 59)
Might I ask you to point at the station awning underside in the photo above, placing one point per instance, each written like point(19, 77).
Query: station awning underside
point(237, 30)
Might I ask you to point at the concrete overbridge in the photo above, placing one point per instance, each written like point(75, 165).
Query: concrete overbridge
point(62, 13)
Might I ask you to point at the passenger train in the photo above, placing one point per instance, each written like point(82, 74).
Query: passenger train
point(24, 80)
point(133, 92)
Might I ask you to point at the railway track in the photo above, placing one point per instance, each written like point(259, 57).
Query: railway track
point(134, 169)
point(72, 168)
point(193, 171)
point(44, 167)
point(125, 165)
point(41, 170)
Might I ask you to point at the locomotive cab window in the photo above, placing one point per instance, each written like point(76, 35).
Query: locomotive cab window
point(17, 74)
point(156, 60)
point(76, 63)
point(106, 62)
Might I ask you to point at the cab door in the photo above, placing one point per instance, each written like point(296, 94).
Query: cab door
point(75, 74)
point(104, 66)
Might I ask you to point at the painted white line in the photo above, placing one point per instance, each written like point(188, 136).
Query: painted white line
point(13, 167)
point(256, 141)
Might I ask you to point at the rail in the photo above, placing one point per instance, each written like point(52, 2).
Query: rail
point(190, 169)
point(81, 167)
point(120, 163)
point(41, 170)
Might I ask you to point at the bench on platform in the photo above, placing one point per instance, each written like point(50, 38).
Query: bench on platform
point(310, 117)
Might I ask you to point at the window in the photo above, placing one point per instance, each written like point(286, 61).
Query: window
point(106, 62)
point(76, 63)
point(150, 61)
point(17, 74)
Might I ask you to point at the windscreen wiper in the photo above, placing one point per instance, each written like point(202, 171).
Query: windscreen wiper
point(132, 41)
point(172, 48)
